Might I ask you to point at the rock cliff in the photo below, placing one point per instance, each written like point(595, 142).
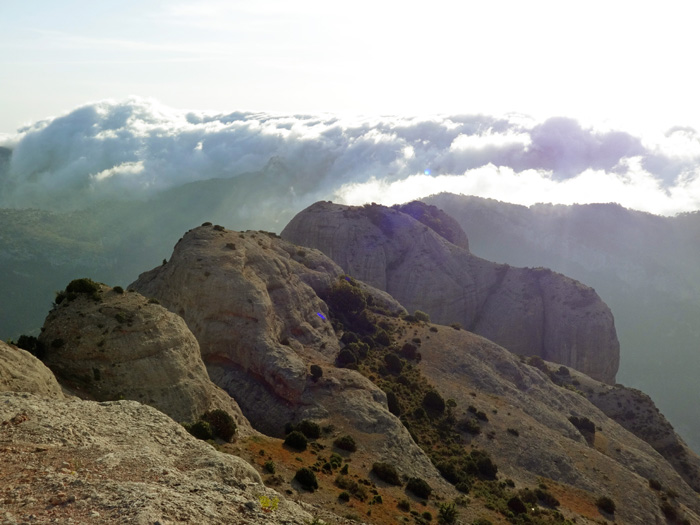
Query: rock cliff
point(108, 345)
point(528, 311)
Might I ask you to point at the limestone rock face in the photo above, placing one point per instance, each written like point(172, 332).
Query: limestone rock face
point(530, 312)
point(20, 371)
point(124, 346)
point(250, 300)
point(121, 462)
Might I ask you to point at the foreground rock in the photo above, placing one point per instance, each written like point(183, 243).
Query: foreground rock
point(117, 345)
point(74, 461)
point(528, 311)
point(250, 299)
point(20, 371)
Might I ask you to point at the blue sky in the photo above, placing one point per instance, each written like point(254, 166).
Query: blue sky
point(608, 63)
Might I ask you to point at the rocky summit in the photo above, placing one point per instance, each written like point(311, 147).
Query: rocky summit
point(529, 311)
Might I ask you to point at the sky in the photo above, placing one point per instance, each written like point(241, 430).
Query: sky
point(622, 67)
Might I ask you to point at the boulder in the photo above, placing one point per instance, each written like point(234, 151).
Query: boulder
point(114, 345)
point(20, 371)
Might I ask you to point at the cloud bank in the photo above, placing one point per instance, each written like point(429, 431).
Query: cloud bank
point(138, 148)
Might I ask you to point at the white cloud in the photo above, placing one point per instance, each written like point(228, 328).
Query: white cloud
point(137, 148)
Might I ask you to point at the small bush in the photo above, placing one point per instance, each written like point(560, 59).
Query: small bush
point(316, 372)
point(200, 430)
point(655, 484)
point(404, 505)
point(346, 442)
point(408, 351)
point(427, 516)
point(433, 329)
point(421, 316)
point(447, 513)
point(382, 338)
point(516, 505)
point(386, 472)
point(514, 432)
point(345, 358)
point(296, 440)
point(222, 424)
point(306, 478)
point(393, 363)
point(310, 429)
point(32, 345)
point(344, 496)
point(118, 289)
point(419, 487)
point(606, 504)
point(433, 402)
point(269, 466)
point(83, 286)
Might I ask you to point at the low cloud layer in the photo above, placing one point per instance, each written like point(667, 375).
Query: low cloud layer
point(137, 148)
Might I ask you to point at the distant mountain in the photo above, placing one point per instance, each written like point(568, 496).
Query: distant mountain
point(530, 312)
point(645, 267)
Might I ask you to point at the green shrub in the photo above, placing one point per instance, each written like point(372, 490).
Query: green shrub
point(447, 513)
point(427, 516)
point(118, 289)
point(514, 432)
point(408, 351)
point(346, 298)
point(516, 505)
point(404, 505)
point(382, 338)
point(346, 442)
point(310, 429)
point(83, 286)
point(296, 440)
point(222, 424)
point(393, 363)
point(386, 472)
point(316, 372)
point(433, 403)
point(481, 521)
point(344, 496)
point(606, 504)
point(419, 487)
point(32, 345)
point(345, 357)
point(269, 466)
point(421, 316)
point(306, 478)
point(200, 430)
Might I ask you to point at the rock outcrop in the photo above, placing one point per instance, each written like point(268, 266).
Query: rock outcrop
point(116, 345)
point(20, 371)
point(250, 298)
point(528, 311)
point(75, 461)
